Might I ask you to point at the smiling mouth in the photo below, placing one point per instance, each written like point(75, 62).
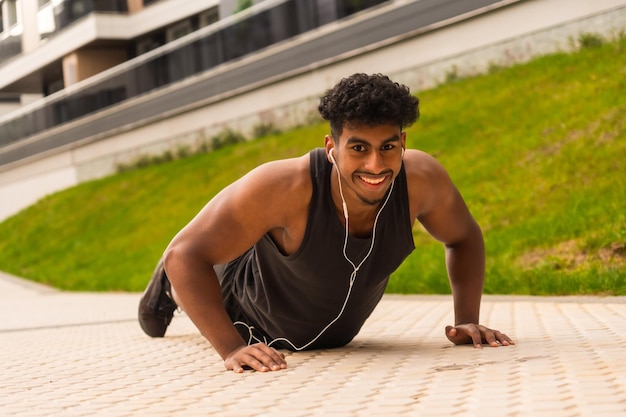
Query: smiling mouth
point(373, 181)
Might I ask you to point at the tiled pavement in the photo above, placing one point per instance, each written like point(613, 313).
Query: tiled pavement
point(76, 354)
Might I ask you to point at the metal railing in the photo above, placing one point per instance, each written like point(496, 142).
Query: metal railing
point(69, 11)
point(209, 47)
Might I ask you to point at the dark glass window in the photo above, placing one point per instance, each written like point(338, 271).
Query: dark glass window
point(69, 11)
point(243, 37)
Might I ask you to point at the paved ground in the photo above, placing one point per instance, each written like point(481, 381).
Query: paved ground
point(76, 354)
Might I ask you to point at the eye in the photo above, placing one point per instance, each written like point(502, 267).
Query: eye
point(388, 147)
point(358, 148)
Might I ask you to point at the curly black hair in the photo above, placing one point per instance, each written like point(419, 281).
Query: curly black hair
point(368, 100)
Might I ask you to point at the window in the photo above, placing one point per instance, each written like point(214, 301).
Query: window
point(146, 44)
point(179, 30)
point(208, 17)
point(45, 18)
point(11, 12)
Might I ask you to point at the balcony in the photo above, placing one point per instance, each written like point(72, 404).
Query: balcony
point(69, 11)
point(206, 49)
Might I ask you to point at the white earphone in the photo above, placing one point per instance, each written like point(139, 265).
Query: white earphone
point(343, 200)
point(355, 267)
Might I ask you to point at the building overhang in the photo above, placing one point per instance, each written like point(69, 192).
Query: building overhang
point(23, 73)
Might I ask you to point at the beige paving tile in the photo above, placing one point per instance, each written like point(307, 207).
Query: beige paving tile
point(84, 354)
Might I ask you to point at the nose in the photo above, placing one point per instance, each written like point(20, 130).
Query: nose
point(375, 163)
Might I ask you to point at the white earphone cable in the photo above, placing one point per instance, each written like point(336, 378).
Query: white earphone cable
point(352, 275)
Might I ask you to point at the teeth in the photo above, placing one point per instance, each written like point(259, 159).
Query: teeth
point(372, 181)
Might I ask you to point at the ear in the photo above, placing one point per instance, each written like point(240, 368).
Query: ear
point(329, 144)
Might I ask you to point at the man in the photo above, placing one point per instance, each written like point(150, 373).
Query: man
point(297, 253)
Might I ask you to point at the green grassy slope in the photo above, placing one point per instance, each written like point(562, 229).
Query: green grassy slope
point(538, 151)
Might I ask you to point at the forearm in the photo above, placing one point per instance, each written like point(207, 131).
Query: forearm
point(465, 261)
point(198, 293)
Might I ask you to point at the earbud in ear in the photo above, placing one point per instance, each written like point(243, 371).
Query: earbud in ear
point(402, 152)
point(330, 153)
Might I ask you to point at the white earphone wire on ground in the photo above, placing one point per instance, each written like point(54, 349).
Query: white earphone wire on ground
point(355, 269)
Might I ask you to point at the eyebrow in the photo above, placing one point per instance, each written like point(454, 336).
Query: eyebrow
point(356, 140)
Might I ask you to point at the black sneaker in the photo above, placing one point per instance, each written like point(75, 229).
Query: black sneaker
point(156, 307)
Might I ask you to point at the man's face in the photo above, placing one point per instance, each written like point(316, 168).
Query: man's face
point(369, 159)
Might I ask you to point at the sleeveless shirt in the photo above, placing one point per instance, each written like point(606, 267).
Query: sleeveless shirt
point(298, 295)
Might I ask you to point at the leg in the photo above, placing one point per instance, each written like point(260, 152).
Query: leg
point(156, 307)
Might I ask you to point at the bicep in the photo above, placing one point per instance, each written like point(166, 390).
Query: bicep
point(445, 215)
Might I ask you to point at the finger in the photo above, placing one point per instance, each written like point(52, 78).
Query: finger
point(245, 358)
point(451, 334)
point(277, 357)
point(283, 362)
point(490, 337)
point(231, 362)
point(270, 357)
point(475, 335)
point(457, 335)
point(250, 359)
point(234, 366)
point(504, 339)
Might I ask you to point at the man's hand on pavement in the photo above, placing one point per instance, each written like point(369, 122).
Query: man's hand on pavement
point(258, 357)
point(477, 334)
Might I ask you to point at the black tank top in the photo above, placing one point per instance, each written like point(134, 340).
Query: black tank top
point(296, 296)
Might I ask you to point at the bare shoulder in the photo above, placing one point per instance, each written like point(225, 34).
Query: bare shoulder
point(427, 180)
point(420, 165)
point(275, 190)
point(273, 197)
point(435, 201)
point(283, 179)
point(276, 197)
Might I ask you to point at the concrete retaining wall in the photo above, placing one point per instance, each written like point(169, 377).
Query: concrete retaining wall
point(469, 46)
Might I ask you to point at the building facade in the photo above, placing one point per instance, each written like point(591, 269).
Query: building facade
point(105, 33)
point(86, 85)
point(74, 58)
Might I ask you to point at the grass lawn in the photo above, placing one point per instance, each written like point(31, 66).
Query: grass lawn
point(538, 151)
